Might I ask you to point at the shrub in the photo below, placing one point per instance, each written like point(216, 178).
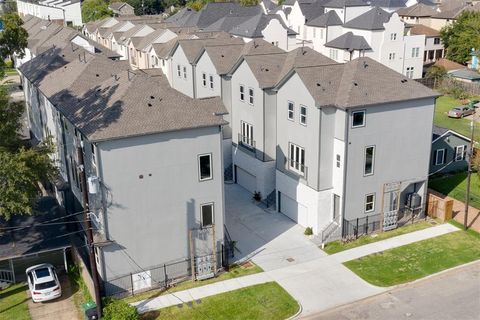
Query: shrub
point(118, 310)
point(308, 231)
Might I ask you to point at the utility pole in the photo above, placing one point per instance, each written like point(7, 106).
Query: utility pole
point(88, 222)
point(469, 173)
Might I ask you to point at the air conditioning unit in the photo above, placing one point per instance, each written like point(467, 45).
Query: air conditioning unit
point(93, 184)
point(414, 200)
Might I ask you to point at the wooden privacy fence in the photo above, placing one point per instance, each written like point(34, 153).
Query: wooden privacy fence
point(439, 207)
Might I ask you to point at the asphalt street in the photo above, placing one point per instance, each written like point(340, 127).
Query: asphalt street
point(451, 295)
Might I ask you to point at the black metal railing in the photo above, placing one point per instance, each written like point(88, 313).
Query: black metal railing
point(246, 142)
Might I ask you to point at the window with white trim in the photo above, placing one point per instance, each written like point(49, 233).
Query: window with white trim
point(291, 111)
point(333, 54)
point(303, 115)
point(179, 71)
point(370, 202)
point(205, 167)
point(246, 134)
point(415, 52)
point(321, 33)
point(358, 118)
point(409, 72)
point(250, 96)
point(393, 36)
point(204, 79)
point(206, 211)
point(440, 156)
point(391, 56)
point(460, 153)
point(242, 93)
point(211, 82)
point(338, 161)
point(296, 161)
point(184, 72)
point(369, 160)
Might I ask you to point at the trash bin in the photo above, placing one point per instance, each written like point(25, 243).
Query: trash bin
point(90, 310)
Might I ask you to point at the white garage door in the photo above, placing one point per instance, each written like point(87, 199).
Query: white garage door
point(246, 180)
point(294, 210)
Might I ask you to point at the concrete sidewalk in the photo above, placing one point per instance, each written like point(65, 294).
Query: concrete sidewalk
point(317, 285)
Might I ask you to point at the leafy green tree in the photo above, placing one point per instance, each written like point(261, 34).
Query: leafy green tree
point(436, 72)
point(13, 38)
point(95, 10)
point(21, 167)
point(461, 36)
point(247, 3)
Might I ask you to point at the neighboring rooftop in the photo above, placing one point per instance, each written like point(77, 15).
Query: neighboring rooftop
point(350, 42)
point(466, 74)
point(357, 83)
point(449, 65)
point(417, 10)
point(329, 18)
point(392, 4)
point(419, 29)
point(370, 20)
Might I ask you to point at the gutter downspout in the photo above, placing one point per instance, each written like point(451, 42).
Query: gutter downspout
point(345, 157)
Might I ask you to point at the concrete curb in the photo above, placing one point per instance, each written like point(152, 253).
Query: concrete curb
point(399, 286)
point(433, 275)
point(296, 315)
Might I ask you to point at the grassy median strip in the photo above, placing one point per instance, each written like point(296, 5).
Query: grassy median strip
point(417, 260)
point(266, 301)
point(13, 303)
point(235, 271)
point(339, 245)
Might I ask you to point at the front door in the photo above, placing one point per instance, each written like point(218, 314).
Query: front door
point(336, 207)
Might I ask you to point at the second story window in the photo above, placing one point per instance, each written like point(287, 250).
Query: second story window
point(338, 161)
point(184, 72)
point(393, 36)
point(460, 152)
point(204, 79)
point(391, 56)
point(291, 111)
point(303, 115)
point(436, 41)
point(247, 134)
point(179, 71)
point(242, 92)
point(358, 119)
point(250, 96)
point(211, 82)
point(296, 161)
point(369, 161)
point(415, 52)
point(205, 167)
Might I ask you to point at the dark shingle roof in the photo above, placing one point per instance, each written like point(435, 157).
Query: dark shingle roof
point(438, 132)
point(370, 20)
point(328, 19)
point(388, 3)
point(360, 82)
point(312, 10)
point(224, 57)
point(345, 3)
point(350, 42)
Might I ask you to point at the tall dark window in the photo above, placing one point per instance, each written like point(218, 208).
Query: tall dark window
point(207, 214)
point(205, 166)
point(369, 160)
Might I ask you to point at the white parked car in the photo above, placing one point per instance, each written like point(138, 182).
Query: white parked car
point(43, 282)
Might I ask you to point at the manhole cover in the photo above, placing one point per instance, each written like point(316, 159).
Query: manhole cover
point(290, 259)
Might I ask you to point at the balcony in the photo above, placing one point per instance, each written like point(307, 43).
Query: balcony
point(247, 143)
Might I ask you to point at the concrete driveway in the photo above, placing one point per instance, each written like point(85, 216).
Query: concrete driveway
point(269, 238)
point(59, 309)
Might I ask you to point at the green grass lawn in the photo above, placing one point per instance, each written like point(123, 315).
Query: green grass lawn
point(234, 272)
point(417, 260)
point(266, 301)
point(441, 119)
point(339, 245)
point(455, 185)
point(13, 303)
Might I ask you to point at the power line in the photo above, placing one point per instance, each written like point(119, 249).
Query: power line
point(41, 223)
